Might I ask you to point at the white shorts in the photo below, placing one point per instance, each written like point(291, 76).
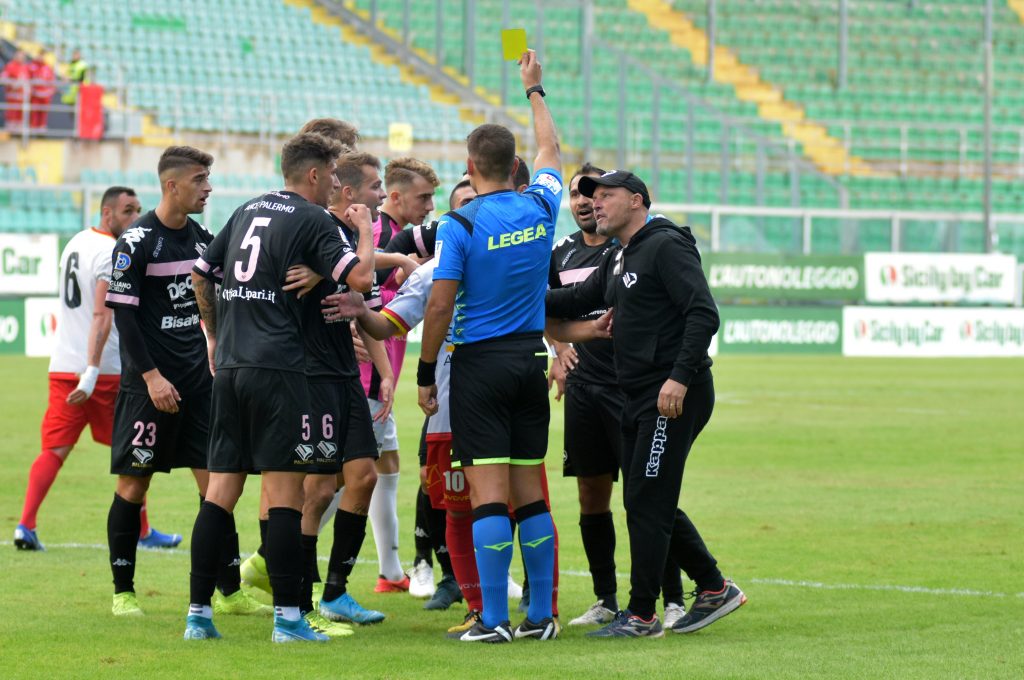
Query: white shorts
point(385, 431)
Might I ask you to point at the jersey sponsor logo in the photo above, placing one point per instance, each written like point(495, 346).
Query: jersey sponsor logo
point(657, 447)
point(243, 293)
point(567, 255)
point(516, 238)
point(120, 286)
point(180, 289)
point(304, 451)
point(268, 205)
point(143, 455)
point(159, 247)
point(327, 448)
point(628, 279)
point(117, 275)
point(549, 181)
point(122, 262)
point(134, 236)
point(169, 322)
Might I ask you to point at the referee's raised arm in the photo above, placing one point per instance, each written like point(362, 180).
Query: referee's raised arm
point(549, 154)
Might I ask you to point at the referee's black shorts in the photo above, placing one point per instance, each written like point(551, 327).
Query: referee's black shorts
point(593, 430)
point(257, 421)
point(499, 401)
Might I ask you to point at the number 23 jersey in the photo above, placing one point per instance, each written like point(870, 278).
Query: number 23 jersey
point(152, 273)
point(258, 324)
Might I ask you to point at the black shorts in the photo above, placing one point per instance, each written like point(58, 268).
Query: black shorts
point(259, 416)
point(341, 424)
point(147, 440)
point(593, 430)
point(499, 402)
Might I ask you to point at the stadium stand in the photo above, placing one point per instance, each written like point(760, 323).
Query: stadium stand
point(211, 67)
point(206, 65)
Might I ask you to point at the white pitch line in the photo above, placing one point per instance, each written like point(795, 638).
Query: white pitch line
point(955, 592)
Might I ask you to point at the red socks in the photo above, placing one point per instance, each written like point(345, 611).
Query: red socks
point(459, 534)
point(40, 478)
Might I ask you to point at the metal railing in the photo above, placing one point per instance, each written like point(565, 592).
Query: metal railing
point(719, 228)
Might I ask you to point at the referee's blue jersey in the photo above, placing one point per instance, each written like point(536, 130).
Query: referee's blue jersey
point(502, 266)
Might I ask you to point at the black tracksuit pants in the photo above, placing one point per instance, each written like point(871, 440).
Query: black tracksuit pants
point(654, 450)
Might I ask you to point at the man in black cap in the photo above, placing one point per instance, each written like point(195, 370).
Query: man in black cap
point(665, 318)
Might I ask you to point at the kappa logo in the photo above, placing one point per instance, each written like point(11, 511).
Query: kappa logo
point(628, 279)
point(657, 447)
point(121, 562)
point(304, 451)
point(134, 236)
point(327, 448)
point(200, 248)
point(350, 562)
point(143, 455)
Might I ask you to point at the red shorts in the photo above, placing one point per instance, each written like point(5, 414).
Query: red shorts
point(63, 423)
point(447, 488)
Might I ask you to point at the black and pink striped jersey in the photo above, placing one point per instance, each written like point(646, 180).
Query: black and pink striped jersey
point(152, 273)
point(258, 324)
point(572, 262)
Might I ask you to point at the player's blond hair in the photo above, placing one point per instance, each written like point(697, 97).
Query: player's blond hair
point(401, 172)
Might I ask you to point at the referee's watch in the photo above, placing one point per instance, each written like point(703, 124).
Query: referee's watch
point(536, 88)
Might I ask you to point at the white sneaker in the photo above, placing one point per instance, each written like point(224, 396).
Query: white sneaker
point(598, 614)
point(421, 580)
point(515, 591)
point(673, 612)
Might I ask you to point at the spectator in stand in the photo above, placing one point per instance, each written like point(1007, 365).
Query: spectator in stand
point(78, 73)
point(42, 90)
point(15, 79)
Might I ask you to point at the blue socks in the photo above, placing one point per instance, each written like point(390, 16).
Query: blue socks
point(537, 541)
point(492, 542)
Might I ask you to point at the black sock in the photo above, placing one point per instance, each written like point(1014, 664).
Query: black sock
point(284, 555)
point(123, 527)
point(349, 532)
point(212, 523)
point(422, 532)
point(598, 533)
point(261, 551)
point(229, 579)
point(310, 573)
point(438, 524)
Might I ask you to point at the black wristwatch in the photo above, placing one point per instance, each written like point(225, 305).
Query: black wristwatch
point(536, 88)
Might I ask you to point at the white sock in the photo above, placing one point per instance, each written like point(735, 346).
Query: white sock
point(331, 510)
point(204, 610)
point(384, 519)
point(287, 613)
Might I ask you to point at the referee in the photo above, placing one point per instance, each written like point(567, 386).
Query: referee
point(664, 320)
point(493, 257)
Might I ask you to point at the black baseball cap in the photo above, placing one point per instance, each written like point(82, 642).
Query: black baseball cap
point(615, 178)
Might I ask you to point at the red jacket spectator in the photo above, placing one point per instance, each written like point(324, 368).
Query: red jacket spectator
point(15, 79)
point(43, 89)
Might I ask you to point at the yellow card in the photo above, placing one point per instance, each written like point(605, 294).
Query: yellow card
point(513, 43)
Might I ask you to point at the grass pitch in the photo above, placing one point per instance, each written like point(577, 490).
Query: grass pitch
point(871, 510)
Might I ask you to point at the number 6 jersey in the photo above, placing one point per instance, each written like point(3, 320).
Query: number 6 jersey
point(152, 273)
point(258, 324)
point(84, 263)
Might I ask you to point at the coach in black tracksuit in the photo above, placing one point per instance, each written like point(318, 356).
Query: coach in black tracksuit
point(664, 319)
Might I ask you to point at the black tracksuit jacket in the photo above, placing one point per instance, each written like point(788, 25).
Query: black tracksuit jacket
point(665, 315)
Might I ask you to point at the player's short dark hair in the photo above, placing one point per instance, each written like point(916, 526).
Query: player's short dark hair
point(350, 167)
point(522, 175)
point(305, 150)
point(588, 169)
point(451, 196)
point(401, 172)
point(176, 157)
point(339, 130)
point(492, 149)
point(113, 193)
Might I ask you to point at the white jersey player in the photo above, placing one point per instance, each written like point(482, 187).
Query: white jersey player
point(85, 367)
